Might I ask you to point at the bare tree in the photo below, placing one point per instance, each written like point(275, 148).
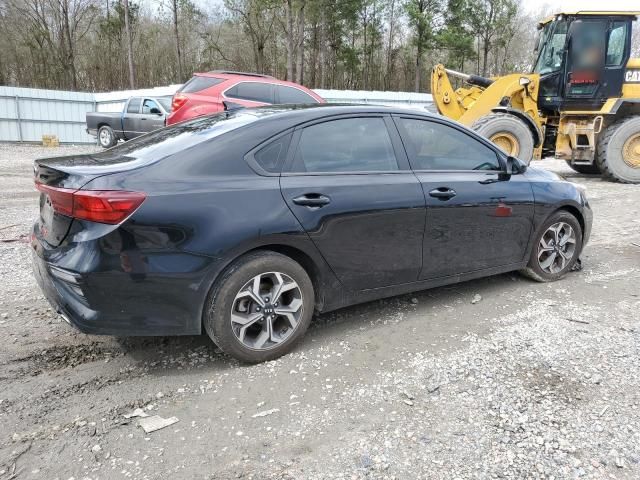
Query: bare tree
point(127, 27)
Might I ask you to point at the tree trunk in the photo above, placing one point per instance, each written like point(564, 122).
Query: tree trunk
point(70, 54)
point(177, 35)
point(289, 43)
point(322, 61)
point(485, 57)
point(387, 80)
point(418, 68)
point(314, 57)
point(127, 27)
point(300, 52)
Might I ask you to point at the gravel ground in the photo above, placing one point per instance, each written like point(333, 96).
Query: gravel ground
point(528, 381)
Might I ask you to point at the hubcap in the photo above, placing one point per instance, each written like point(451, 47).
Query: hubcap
point(557, 247)
point(266, 311)
point(507, 142)
point(105, 137)
point(631, 151)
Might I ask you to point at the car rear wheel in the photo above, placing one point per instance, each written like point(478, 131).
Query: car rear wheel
point(260, 307)
point(106, 137)
point(557, 247)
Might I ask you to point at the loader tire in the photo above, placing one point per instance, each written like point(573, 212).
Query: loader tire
point(592, 169)
point(508, 132)
point(618, 150)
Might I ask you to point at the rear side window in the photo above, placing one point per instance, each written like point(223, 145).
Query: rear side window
point(270, 156)
point(616, 44)
point(134, 105)
point(346, 145)
point(435, 146)
point(293, 95)
point(197, 84)
point(253, 91)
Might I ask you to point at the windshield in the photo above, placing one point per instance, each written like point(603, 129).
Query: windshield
point(551, 48)
point(165, 102)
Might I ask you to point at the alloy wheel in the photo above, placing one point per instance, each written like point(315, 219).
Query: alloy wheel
point(105, 137)
point(557, 247)
point(266, 311)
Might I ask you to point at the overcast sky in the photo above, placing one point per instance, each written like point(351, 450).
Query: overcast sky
point(569, 5)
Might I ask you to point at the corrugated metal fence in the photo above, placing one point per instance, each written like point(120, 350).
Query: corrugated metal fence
point(26, 114)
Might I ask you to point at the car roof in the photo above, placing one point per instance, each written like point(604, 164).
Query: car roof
point(247, 77)
point(310, 112)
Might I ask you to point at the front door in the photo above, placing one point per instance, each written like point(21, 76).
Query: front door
point(348, 184)
point(152, 117)
point(598, 54)
point(477, 218)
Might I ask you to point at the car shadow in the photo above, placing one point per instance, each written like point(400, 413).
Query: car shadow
point(177, 354)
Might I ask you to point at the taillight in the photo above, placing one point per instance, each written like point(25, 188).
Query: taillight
point(178, 101)
point(102, 206)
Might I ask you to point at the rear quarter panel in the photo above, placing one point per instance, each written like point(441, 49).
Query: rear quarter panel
point(193, 228)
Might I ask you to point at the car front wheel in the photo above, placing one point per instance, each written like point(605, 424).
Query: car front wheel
point(260, 307)
point(557, 247)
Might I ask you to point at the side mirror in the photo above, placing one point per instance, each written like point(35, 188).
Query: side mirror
point(513, 166)
point(155, 111)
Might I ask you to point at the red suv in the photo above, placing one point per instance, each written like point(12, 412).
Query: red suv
point(216, 91)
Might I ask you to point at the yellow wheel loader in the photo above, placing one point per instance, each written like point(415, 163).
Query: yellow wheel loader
point(581, 103)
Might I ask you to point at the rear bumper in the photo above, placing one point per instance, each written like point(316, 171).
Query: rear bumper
point(112, 301)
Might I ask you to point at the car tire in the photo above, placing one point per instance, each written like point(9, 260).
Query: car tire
point(253, 331)
point(591, 169)
point(549, 261)
point(106, 137)
point(619, 150)
point(508, 132)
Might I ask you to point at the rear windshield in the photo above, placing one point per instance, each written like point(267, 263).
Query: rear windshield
point(197, 84)
point(167, 141)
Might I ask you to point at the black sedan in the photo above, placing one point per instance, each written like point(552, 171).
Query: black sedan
point(245, 223)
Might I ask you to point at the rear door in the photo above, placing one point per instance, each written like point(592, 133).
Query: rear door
point(477, 217)
point(348, 183)
point(131, 123)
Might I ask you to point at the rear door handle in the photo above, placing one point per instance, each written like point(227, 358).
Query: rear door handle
point(443, 193)
point(314, 200)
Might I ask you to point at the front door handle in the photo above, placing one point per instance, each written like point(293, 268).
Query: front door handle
point(443, 193)
point(314, 200)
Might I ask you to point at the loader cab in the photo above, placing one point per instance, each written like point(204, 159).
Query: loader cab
point(581, 60)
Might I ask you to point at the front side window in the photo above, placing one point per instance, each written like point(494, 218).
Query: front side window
point(435, 146)
point(346, 145)
point(148, 105)
point(134, 105)
point(253, 91)
point(588, 45)
point(293, 95)
point(552, 45)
